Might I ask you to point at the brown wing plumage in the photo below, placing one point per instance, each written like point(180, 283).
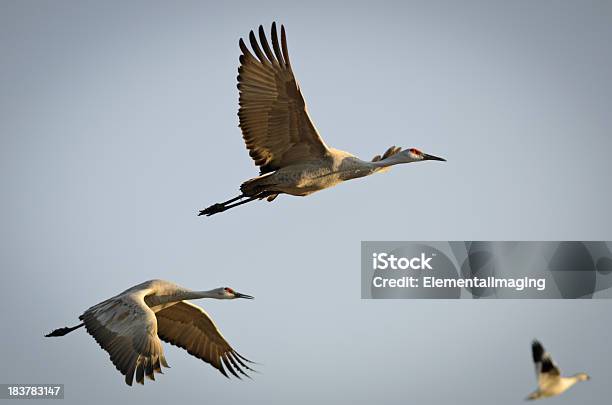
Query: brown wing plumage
point(273, 117)
point(188, 326)
point(126, 328)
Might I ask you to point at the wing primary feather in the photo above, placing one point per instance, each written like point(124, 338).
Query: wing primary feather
point(140, 371)
point(537, 350)
point(284, 45)
point(262, 58)
point(245, 51)
point(244, 358)
point(149, 369)
point(241, 363)
point(157, 366)
point(129, 376)
point(265, 45)
point(275, 45)
point(220, 368)
point(236, 366)
point(229, 366)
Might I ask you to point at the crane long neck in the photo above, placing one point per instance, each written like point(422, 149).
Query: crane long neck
point(165, 298)
point(194, 295)
point(392, 160)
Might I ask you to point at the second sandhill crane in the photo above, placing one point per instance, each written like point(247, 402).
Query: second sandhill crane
point(550, 381)
point(131, 325)
point(281, 137)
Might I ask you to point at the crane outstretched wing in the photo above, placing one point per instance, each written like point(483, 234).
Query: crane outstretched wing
point(546, 368)
point(188, 326)
point(273, 117)
point(126, 328)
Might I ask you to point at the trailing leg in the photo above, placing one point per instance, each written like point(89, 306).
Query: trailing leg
point(64, 331)
point(219, 207)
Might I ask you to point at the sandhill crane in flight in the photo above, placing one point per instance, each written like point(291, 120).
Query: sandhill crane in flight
point(550, 381)
point(129, 327)
point(281, 137)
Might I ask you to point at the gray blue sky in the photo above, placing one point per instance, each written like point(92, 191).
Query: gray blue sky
point(118, 122)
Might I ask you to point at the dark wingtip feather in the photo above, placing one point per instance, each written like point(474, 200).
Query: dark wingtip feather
point(537, 351)
point(140, 373)
point(233, 355)
point(149, 369)
point(256, 48)
point(237, 363)
point(245, 359)
point(222, 370)
point(264, 44)
point(284, 46)
point(243, 46)
point(241, 356)
point(129, 376)
point(276, 46)
point(229, 366)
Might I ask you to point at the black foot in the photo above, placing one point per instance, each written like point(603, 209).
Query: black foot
point(213, 209)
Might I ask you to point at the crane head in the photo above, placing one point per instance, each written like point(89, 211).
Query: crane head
point(230, 294)
point(416, 155)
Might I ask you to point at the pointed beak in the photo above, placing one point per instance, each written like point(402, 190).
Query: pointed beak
point(248, 297)
point(432, 157)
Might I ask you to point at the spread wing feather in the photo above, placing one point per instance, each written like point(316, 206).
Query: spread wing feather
point(126, 328)
point(188, 326)
point(274, 120)
point(546, 369)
